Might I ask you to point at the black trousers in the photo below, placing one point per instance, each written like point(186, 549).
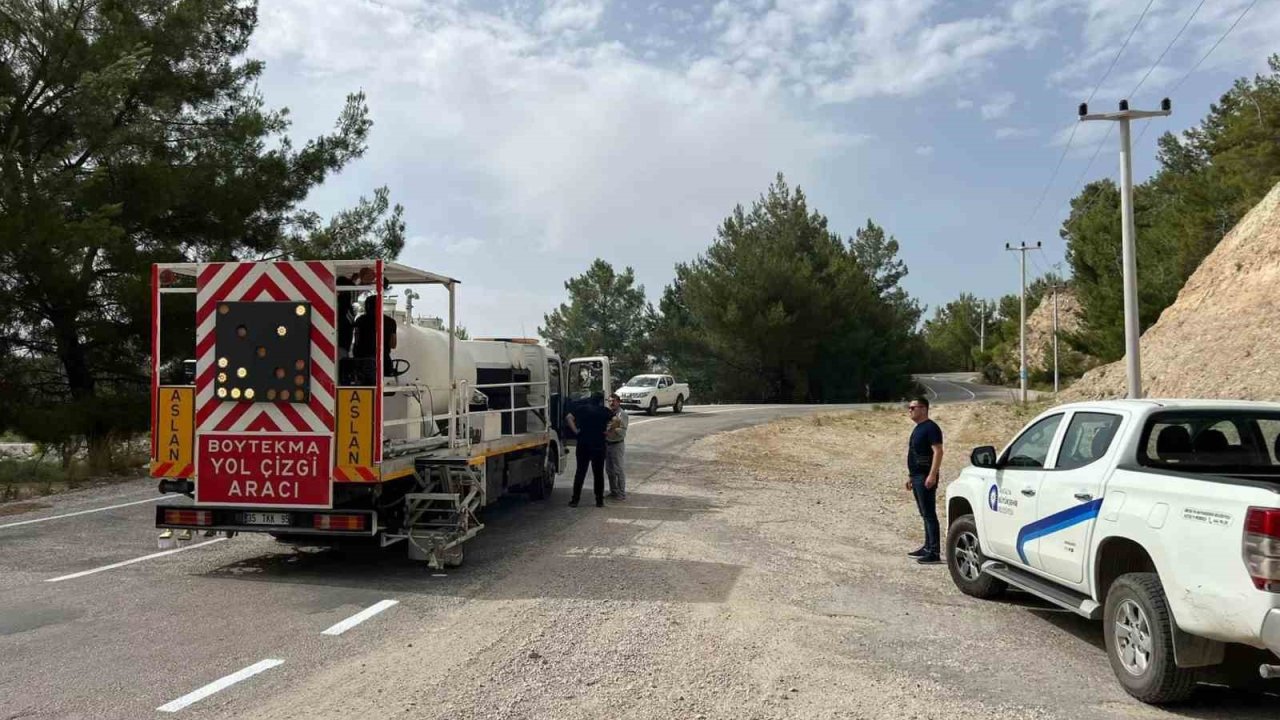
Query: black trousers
point(593, 456)
point(927, 504)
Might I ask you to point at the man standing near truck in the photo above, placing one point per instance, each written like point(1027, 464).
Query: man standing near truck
point(589, 421)
point(615, 449)
point(924, 462)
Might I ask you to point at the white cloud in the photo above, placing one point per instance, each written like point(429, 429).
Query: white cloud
point(1005, 133)
point(998, 106)
point(571, 15)
point(866, 49)
point(532, 138)
point(1105, 25)
point(554, 151)
point(448, 244)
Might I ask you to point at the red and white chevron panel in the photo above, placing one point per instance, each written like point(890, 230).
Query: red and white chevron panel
point(311, 282)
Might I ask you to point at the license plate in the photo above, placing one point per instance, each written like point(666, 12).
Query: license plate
point(266, 518)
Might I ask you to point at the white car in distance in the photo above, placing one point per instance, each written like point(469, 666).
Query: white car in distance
point(651, 392)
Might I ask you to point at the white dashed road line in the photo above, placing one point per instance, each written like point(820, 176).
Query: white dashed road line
point(217, 685)
point(113, 566)
point(360, 617)
point(82, 512)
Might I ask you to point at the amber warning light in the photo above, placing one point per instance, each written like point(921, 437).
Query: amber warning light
point(263, 352)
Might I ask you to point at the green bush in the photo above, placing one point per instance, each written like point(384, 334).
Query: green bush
point(44, 477)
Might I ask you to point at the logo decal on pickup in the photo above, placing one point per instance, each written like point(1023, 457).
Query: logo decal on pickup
point(1055, 522)
point(993, 498)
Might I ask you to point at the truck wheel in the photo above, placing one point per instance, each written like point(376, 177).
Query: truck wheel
point(965, 559)
point(1137, 627)
point(653, 406)
point(679, 406)
point(541, 487)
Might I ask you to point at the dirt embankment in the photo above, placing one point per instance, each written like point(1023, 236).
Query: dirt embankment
point(1217, 339)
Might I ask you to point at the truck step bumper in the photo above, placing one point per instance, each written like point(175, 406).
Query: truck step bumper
point(1075, 602)
point(268, 520)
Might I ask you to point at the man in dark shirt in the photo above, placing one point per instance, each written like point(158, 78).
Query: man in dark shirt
point(924, 462)
point(346, 316)
point(366, 340)
point(589, 421)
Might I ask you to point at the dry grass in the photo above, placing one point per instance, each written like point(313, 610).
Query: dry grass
point(860, 457)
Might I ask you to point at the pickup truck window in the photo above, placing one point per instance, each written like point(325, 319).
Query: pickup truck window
point(1031, 449)
point(1271, 438)
point(1236, 442)
point(643, 381)
point(1088, 437)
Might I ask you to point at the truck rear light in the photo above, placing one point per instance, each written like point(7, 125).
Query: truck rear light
point(188, 517)
point(1262, 547)
point(340, 522)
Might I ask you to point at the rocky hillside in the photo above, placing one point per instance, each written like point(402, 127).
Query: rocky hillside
point(1217, 340)
point(1040, 329)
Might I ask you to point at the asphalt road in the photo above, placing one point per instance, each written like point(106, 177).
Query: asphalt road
point(138, 632)
point(964, 387)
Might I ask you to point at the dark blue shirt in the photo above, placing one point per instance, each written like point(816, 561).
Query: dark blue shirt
point(592, 419)
point(920, 448)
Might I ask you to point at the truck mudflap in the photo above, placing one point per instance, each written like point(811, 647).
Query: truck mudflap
point(229, 519)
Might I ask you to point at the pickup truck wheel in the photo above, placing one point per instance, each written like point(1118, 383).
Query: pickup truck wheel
point(965, 559)
point(653, 406)
point(679, 406)
point(1137, 628)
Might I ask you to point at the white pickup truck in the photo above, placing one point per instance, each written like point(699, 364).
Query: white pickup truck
point(1159, 517)
point(650, 392)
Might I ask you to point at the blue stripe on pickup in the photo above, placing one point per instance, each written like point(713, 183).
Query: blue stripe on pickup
point(1055, 522)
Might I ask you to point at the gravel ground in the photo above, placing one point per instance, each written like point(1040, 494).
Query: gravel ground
point(760, 575)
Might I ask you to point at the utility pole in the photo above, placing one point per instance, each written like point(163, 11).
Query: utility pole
point(1022, 322)
point(1055, 338)
point(1133, 366)
point(982, 333)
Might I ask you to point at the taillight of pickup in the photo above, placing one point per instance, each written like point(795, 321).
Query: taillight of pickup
point(1262, 547)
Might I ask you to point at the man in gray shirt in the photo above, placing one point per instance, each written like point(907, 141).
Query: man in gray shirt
point(615, 445)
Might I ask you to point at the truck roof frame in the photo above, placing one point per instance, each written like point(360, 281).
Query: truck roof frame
point(397, 273)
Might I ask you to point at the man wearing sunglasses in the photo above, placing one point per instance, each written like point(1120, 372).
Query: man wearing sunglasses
point(924, 462)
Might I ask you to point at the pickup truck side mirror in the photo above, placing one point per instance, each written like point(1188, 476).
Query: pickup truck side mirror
point(983, 457)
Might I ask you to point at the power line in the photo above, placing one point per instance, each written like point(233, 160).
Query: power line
point(1167, 48)
point(1215, 46)
point(1120, 52)
point(1056, 168)
point(1146, 126)
point(1202, 58)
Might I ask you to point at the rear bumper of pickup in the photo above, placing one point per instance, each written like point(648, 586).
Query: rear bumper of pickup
point(1271, 631)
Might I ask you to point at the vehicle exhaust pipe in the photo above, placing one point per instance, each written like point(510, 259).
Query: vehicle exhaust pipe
point(1269, 672)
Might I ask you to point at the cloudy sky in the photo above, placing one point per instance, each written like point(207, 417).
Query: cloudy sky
point(527, 138)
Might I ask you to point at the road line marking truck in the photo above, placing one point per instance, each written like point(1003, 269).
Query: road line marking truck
point(272, 425)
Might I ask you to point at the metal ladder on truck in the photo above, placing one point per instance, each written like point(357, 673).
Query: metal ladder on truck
point(443, 516)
